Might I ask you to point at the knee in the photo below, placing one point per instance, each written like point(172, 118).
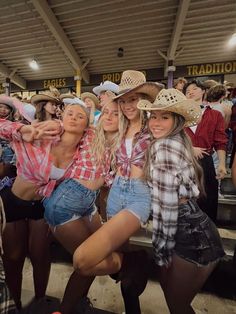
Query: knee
point(80, 262)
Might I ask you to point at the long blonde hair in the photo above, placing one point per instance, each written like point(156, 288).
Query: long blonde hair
point(100, 142)
point(178, 128)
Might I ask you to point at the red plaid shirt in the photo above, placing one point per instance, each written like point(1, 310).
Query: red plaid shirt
point(34, 162)
point(141, 142)
point(85, 166)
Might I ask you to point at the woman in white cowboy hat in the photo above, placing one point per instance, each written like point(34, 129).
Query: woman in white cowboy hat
point(186, 242)
point(106, 91)
point(46, 105)
point(128, 203)
point(91, 101)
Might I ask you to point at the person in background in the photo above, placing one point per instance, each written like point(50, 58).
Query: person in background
point(179, 83)
point(7, 156)
point(233, 170)
point(26, 232)
point(46, 105)
point(214, 98)
point(186, 243)
point(207, 136)
point(91, 101)
point(105, 91)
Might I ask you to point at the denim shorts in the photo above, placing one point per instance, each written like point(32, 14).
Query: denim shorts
point(69, 201)
point(132, 195)
point(197, 238)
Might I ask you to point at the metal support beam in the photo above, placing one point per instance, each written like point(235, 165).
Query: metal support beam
point(179, 22)
point(49, 18)
point(16, 79)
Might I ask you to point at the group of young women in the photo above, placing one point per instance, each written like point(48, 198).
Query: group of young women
point(141, 151)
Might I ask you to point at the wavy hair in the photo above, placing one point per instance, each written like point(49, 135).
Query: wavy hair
point(178, 128)
point(100, 141)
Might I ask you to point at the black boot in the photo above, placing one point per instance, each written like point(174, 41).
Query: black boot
point(133, 273)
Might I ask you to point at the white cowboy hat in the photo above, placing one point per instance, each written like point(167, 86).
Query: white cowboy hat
point(9, 101)
point(106, 86)
point(28, 112)
point(69, 99)
point(135, 81)
point(172, 100)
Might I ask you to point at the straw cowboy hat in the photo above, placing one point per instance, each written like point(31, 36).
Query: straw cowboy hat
point(90, 96)
point(135, 81)
point(173, 100)
point(46, 96)
point(9, 101)
point(69, 99)
point(106, 86)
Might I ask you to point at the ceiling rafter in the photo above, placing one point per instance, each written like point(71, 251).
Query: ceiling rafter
point(16, 79)
point(49, 18)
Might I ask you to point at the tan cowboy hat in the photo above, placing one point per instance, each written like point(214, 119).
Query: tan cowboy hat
point(90, 96)
point(46, 96)
point(135, 81)
point(173, 100)
point(9, 101)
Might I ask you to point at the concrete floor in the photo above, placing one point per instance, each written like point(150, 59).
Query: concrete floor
point(105, 294)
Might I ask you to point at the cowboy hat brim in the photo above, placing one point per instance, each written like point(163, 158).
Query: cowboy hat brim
point(150, 89)
point(43, 97)
point(90, 96)
point(106, 86)
point(6, 100)
point(188, 109)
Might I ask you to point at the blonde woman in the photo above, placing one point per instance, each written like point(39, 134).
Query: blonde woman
point(128, 205)
point(73, 221)
point(91, 101)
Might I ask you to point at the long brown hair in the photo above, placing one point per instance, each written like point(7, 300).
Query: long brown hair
point(178, 128)
point(40, 113)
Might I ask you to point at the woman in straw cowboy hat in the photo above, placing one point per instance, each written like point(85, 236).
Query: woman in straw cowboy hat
point(46, 104)
point(186, 242)
point(91, 101)
point(128, 204)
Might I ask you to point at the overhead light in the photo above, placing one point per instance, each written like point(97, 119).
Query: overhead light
point(34, 64)
point(232, 41)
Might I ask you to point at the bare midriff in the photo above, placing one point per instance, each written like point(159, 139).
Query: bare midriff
point(25, 190)
point(135, 173)
point(92, 184)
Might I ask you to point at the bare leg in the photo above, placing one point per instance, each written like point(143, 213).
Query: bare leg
point(15, 241)
point(181, 282)
point(39, 253)
point(71, 235)
point(94, 256)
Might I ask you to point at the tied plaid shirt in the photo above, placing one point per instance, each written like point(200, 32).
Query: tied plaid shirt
point(34, 162)
point(172, 177)
point(141, 142)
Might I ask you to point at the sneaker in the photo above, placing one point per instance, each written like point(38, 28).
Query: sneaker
point(84, 306)
point(45, 305)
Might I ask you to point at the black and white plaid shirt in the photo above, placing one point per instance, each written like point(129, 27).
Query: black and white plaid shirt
point(172, 177)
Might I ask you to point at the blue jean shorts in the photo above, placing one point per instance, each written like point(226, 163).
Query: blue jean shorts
point(69, 201)
point(197, 238)
point(132, 195)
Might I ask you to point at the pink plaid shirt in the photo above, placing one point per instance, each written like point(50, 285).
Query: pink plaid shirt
point(141, 142)
point(34, 162)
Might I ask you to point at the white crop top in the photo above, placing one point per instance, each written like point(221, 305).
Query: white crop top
point(56, 173)
point(128, 146)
